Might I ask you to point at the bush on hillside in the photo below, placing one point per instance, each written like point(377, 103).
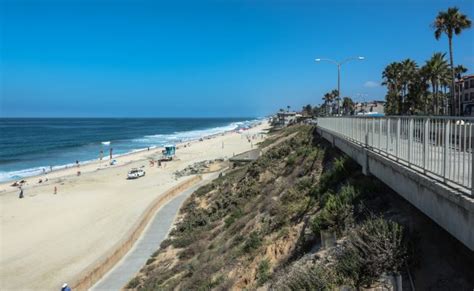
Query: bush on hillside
point(306, 277)
point(337, 213)
point(376, 247)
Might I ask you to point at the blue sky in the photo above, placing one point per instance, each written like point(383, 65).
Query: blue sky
point(205, 58)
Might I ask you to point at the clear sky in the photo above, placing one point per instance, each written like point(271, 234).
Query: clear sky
point(205, 58)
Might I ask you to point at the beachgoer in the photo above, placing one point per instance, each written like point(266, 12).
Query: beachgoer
point(78, 173)
point(148, 148)
point(77, 163)
point(40, 181)
point(159, 163)
point(50, 168)
point(44, 170)
point(101, 155)
point(21, 193)
point(111, 149)
point(65, 287)
point(55, 190)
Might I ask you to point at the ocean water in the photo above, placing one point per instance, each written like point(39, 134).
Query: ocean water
point(27, 145)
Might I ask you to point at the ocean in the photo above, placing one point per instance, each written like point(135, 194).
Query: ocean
point(27, 145)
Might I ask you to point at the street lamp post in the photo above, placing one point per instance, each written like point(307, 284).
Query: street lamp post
point(339, 64)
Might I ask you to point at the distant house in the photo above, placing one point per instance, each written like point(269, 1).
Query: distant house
point(375, 107)
point(284, 118)
point(465, 93)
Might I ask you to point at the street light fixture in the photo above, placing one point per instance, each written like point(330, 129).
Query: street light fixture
point(339, 64)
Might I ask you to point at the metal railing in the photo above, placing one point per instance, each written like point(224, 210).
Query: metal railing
point(441, 147)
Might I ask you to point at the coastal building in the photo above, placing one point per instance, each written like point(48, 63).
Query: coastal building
point(464, 95)
point(370, 108)
point(284, 118)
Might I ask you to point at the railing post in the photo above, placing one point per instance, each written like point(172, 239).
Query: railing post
point(410, 139)
point(373, 132)
point(388, 133)
point(472, 170)
point(366, 135)
point(425, 143)
point(445, 152)
point(380, 134)
point(397, 141)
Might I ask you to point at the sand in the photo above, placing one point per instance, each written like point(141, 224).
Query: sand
point(47, 239)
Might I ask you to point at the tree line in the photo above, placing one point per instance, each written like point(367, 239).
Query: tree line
point(430, 88)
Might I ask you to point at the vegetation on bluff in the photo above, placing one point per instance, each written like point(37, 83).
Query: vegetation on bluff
point(259, 226)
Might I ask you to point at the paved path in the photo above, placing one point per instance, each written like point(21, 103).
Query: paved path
point(156, 231)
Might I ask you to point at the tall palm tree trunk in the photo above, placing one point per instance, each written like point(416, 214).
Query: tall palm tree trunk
point(452, 73)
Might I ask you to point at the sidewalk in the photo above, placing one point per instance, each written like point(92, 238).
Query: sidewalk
point(149, 242)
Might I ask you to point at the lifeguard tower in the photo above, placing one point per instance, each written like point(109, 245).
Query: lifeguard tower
point(169, 152)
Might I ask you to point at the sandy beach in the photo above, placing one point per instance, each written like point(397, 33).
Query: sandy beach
point(48, 239)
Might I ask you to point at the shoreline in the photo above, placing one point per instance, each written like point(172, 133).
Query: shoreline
point(96, 160)
point(31, 181)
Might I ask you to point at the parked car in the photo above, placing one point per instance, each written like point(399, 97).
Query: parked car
point(135, 173)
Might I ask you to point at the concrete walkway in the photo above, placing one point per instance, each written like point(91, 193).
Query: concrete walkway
point(156, 231)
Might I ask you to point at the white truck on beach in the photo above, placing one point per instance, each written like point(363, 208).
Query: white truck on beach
point(135, 173)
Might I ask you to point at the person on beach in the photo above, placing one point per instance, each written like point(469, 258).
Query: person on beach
point(55, 190)
point(101, 155)
point(111, 149)
point(77, 163)
point(50, 168)
point(21, 193)
point(44, 171)
point(65, 287)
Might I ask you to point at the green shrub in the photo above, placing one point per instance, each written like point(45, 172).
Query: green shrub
point(204, 189)
point(263, 271)
point(150, 260)
point(236, 214)
point(290, 161)
point(377, 246)
point(304, 183)
point(253, 242)
point(337, 212)
point(335, 216)
point(312, 277)
point(133, 283)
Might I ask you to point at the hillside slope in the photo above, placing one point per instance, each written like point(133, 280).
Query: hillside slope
point(259, 226)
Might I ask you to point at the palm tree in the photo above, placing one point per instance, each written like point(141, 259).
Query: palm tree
point(436, 70)
point(328, 99)
point(336, 97)
point(347, 105)
point(392, 79)
point(307, 110)
point(451, 22)
point(418, 97)
point(459, 70)
point(407, 77)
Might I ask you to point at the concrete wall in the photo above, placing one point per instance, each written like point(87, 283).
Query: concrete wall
point(448, 207)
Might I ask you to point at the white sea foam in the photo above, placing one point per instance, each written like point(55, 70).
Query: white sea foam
point(105, 143)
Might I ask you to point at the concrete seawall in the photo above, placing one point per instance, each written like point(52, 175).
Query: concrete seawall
point(448, 207)
point(93, 273)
